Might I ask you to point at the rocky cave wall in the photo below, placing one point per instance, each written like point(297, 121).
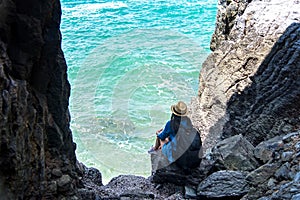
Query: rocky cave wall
point(247, 86)
point(37, 154)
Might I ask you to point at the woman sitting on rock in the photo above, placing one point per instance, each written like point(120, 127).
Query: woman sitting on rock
point(179, 141)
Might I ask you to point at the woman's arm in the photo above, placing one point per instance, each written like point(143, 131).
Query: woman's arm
point(166, 132)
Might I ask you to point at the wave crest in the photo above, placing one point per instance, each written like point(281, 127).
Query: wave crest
point(98, 6)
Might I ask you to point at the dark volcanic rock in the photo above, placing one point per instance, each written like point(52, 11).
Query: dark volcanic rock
point(224, 185)
point(34, 93)
point(235, 153)
point(277, 179)
point(264, 151)
point(135, 187)
point(90, 175)
point(249, 85)
point(170, 174)
point(262, 174)
point(163, 172)
point(270, 105)
point(91, 182)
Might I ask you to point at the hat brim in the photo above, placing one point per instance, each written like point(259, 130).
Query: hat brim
point(176, 113)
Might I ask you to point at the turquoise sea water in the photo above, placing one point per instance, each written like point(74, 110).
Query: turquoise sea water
point(128, 61)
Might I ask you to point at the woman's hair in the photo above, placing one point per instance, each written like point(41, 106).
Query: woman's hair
point(177, 120)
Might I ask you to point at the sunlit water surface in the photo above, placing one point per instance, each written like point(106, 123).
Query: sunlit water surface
point(128, 61)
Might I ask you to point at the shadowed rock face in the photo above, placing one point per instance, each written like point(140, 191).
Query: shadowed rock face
point(248, 86)
point(270, 105)
point(224, 185)
point(246, 83)
point(37, 154)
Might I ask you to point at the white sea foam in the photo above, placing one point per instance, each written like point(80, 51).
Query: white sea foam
point(157, 49)
point(96, 6)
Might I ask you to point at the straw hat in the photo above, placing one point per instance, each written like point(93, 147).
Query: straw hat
point(180, 109)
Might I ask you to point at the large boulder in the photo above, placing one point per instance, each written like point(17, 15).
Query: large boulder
point(187, 160)
point(262, 174)
point(264, 151)
point(235, 153)
point(224, 185)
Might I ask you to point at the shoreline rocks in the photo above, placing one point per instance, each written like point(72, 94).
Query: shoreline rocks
point(247, 111)
point(278, 178)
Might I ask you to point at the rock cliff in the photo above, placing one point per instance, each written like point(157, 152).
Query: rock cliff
point(37, 154)
point(247, 111)
point(247, 85)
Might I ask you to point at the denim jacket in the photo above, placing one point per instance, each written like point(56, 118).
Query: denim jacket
point(169, 147)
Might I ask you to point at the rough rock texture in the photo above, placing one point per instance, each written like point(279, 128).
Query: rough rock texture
point(176, 175)
point(163, 171)
point(270, 105)
point(247, 85)
point(129, 187)
point(37, 154)
point(262, 45)
point(228, 11)
point(264, 150)
point(235, 153)
point(279, 177)
point(224, 185)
